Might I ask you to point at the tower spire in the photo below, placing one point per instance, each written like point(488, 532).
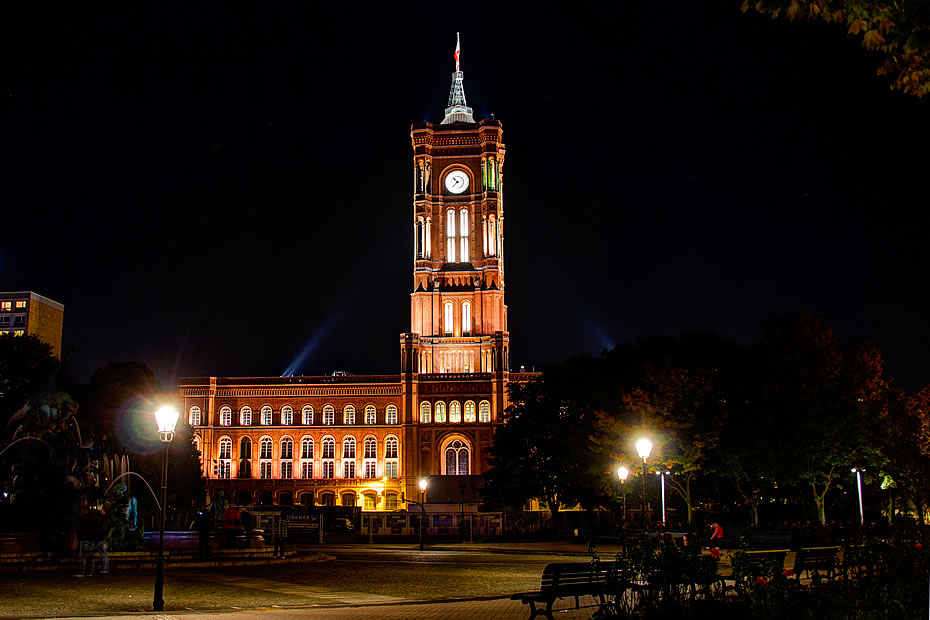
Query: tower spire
point(458, 111)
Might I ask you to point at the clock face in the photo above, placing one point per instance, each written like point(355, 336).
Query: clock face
point(456, 182)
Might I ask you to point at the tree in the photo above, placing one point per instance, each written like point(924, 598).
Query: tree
point(540, 450)
point(899, 30)
point(27, 366)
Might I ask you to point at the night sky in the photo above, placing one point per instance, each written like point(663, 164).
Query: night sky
point(217, 192)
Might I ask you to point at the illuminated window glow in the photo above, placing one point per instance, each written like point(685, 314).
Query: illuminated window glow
point(424, 412)
point(266, 416)
point(245, 416)
point(455, 412)
point(287, 415)
point(390, 415)
point(448, 320)
point(195, 416)
point(484, 411)
point(225, 416)
point(370, 414)
point(329, 415)
point(469, 412)
point(466, 318)
point(348, 414)
point(306, 415)
point(440, 412)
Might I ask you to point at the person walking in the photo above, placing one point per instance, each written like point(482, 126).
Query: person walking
point(91, 534)
point(279, 532)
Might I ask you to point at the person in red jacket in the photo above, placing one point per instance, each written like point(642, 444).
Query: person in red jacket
point(716, 534)
point(232, 523)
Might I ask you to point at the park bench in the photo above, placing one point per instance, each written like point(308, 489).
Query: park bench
point(757, 558)
point(769, 540)
point(563, 580)
point(815, 559)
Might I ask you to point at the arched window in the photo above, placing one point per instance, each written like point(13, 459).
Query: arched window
point(450, 236)
point(457, 459)
point(348, 414)
point(455, 412)
point(420, 230)
point(194, 418)
point(329, 456)
point(348, 499)
point(327, 498)
point(287, 415)
point(390, 415)
point(287, 456)
point(329, 415)
point(390, 457)
point(484, 411)
point(225, 456)
point(266, 416)
point(348, 447)
point(370, 414)
point(466, 318)
point(463, 236)
point(371, 501)
point(440, 412)
point(469, 412)
point(306, 415)
point(245, 416)
point(424, 412)
point(370, 456)
point(447, 318)
point(225, 448)
point(492, 236)
point(265, 448)
point(225, 416)
point(306, 448)
point(245, 448)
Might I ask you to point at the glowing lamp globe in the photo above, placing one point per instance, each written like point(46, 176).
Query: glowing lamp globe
point(166, 418)
point(423, 485)
point(643, 448)
point(622, 473)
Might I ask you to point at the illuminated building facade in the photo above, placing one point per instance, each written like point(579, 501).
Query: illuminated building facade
point(28, 313)
point(366, 440)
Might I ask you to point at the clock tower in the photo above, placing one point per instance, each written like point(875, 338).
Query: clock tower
point(458, 317)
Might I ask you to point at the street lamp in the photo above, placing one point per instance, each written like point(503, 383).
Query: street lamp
point(643, 448)
point(662, 475)
point(423, 484)
point(623, 473)
point(858, 471)
point(166, 418)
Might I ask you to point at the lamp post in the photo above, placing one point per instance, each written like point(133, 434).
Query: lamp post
point(166, 418)
point(423, 484)
point(662, 475)
point(623, 473)
point(643, 448)
point(858, 471)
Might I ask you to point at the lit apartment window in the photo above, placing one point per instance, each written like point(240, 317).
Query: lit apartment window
point(225, 416)
point(329, 415)
point(390, 415)
point(6, 306)
point(266, 416)
point(21, 305)
point(455, 412)
point(195, 416)
point(287, 415)
point(484, 411)
point(440, 412)
point(370, 415)
point(245, 416)
point(348, 414)
point(306, 415)
point(469, 412)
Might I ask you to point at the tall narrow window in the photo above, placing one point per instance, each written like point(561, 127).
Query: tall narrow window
point(329, 415)
point(424, 412)
point(455, 412)
point(463, 236)
point(420, 230)
point(225, 457)
point(194, 418)
point(266, 416)
point(265, 458)
point(348, 469)
point(245, 448)
point(287, 448)
point(370, 414)
point(287, 469)
point(306, 448)
point(306, 415)
point(348, 447)
point(329, 456)
point(457, 459)
point(447, 312)
point(440, 412)
point(348, 414)
point(390, 415)
point(450, 236)
point(287, 415)
point(492, 236)
point(484, 411)
point(266, 446)
point(469, 412)
point(466, 318)
point(225, 416)
point(390, 457)
point(245, 416)
point(225, 448)
point(371, 456)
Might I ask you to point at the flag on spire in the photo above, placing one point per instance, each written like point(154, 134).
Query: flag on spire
point(458, 50)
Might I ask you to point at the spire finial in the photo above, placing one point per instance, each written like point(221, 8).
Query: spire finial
point(458, 111)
